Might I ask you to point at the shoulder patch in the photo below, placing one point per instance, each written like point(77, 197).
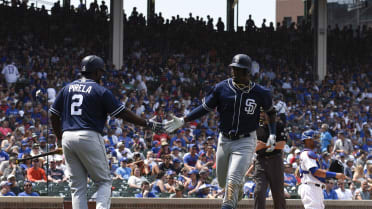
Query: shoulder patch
point(312, 155)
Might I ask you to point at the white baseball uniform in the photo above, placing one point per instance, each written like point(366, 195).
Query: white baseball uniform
point(311, 188)
point(11, 73)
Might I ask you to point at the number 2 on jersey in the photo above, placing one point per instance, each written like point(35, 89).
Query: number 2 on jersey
point(75, 105)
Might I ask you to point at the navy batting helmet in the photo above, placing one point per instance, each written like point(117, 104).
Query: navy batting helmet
point(241, 61)
point(92, 63)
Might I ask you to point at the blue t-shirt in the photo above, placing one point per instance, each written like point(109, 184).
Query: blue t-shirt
point(3, 155)
point(123, 172)
point(325, 140)
point(190, 160)
point(239, 110)
point(332, 195)
point(150, 194)
point(290, 179)
point(9, 194)
point(25, 194)
point(84, 105)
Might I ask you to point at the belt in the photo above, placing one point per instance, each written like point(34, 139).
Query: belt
point(268, 156)
point(317, 185)
point(235, 137)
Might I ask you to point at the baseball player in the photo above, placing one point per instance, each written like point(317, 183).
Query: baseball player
point(312, 177)
point(238, 101)
point(78, 117)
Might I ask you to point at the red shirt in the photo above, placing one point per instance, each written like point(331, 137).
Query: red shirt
point(36, 174)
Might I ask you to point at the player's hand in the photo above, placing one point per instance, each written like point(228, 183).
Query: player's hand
point(154, 125)
point(340, 176)
point(271, 143)
point(174, 124)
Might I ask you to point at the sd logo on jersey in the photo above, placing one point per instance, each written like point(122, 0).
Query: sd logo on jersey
point(250, 106)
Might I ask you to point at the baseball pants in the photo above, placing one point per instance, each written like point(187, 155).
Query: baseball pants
point(311, 196)
point(85, 154)
point(269, 170)
point(233, 159)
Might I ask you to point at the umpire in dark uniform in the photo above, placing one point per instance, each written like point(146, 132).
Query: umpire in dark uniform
point(269, 168)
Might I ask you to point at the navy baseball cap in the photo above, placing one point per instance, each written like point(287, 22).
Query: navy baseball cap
point(42, 139)
point(176, 160)
point(175, 148)
point(369, 157)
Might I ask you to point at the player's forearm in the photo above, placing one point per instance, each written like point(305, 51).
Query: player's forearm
point(195, 113)
point(272, 121)
point(131, 117)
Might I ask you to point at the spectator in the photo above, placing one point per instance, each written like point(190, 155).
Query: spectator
point(123, 172)
point(36, 173)
point(349, 169)
point(342, 193)
point(145, 190)
point(342, 144)
point(135, 180)
point(190, 158)
point(363, 192)
point(11, 74)
point(179, 192)
point(289, 177)
point(27, 187)
point(325, 138)
point(329, 192)
point(167, 164)
point(54, 174)
point(192, 183)
point(359, 176)
point(13, 184)
point(158, 185)
point(14, 170)
point(5, 189)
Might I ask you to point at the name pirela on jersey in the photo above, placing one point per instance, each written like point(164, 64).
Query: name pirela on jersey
point(73, 105)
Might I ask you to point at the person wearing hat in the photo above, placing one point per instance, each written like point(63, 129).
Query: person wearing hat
point(164, 150)
point(179, 192)
point(123, 151)
point(27, 187)
point(13, 184)
point(367, 147)
point(204, 191)
point(54, 174)
point(14, 170)
point(192, 183)
point(326, 160)
point(342, 144)
point(171, 183)
point(312, 176)
point(123, 172)
point(35, 149)
point(349, 168)
point(36, 173)
point(156, 147)
point(43, 144)
point(179, 136)
point(5, 189)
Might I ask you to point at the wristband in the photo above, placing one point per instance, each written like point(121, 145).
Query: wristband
point(330, 174)
point(272, 128)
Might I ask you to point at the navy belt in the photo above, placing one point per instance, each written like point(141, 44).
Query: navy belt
point(317, 185)
point(235, 137)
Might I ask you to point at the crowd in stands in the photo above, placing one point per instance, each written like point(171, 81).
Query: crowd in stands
point(169, 65)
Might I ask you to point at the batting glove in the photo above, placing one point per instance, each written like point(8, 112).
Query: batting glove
point(271, 143)
point(154, 126)
point(173, 124)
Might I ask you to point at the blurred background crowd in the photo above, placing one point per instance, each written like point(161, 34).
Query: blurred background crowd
point(169, 65)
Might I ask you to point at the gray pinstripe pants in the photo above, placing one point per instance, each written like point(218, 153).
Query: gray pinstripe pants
point(85, 154)
point(233, 159)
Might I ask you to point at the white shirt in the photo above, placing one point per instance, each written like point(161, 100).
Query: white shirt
point(11, 73)
point(51, 95)
point(306, 163)
point(344, 195)
point(135, 180)
point(281, 107)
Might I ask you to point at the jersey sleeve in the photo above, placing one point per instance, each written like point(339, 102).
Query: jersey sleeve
point(111, 104)
point(57, 106)
point(210, 101)
point(308, 162)
point(267, 103)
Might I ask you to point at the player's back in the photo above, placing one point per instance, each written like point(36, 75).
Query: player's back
point(83, 105)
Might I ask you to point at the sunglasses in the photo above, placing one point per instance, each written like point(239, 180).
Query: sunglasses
point(28, 185)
